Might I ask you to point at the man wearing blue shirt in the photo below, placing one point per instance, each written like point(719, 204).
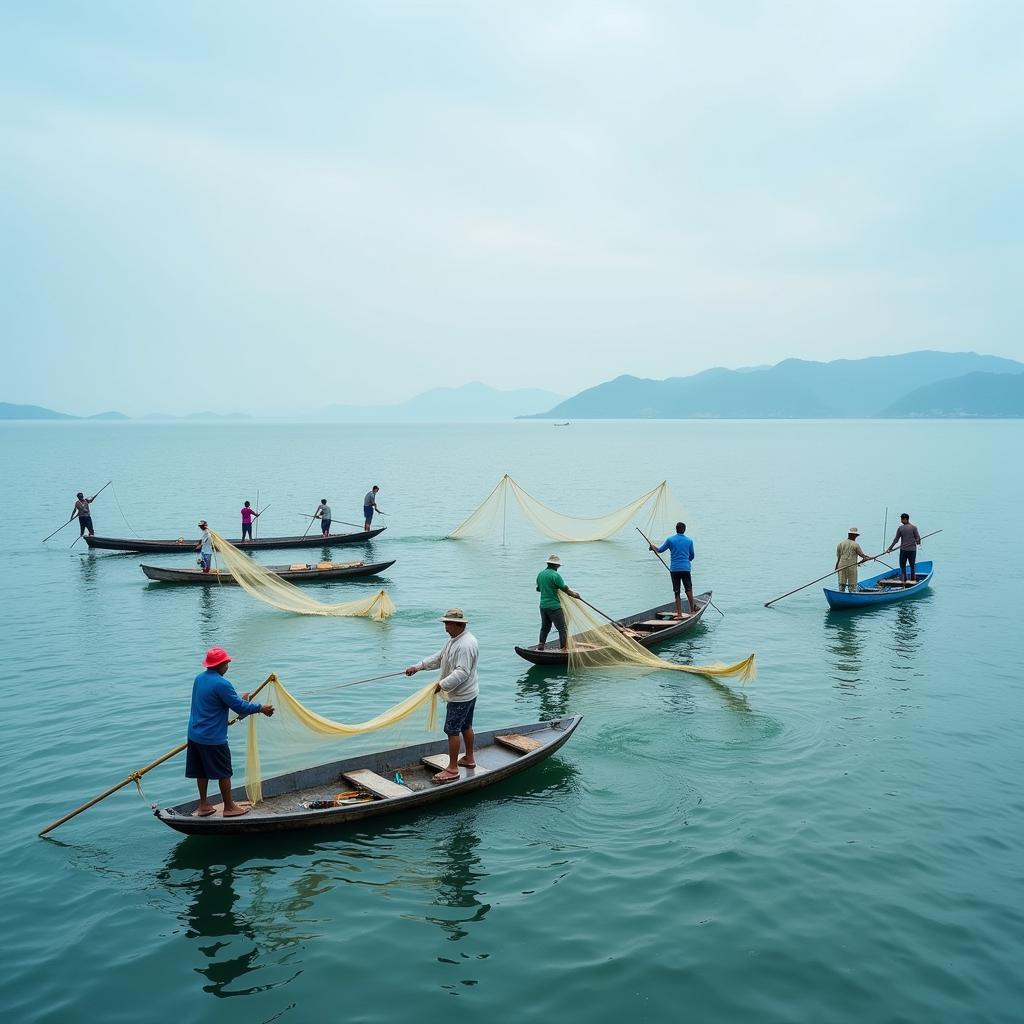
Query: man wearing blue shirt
point(208, 755)
point(682, 558)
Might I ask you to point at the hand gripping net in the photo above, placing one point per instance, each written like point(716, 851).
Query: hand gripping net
point(665, 511)
point(295, 728)
point(269, 588)
point(595, 642)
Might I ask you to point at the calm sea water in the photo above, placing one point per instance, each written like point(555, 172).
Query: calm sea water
point(839, 840)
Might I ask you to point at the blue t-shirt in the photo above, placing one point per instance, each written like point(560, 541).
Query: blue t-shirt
point(682, 551)
point(212, 696)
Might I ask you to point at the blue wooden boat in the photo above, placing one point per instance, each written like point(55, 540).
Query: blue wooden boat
point(880, 589)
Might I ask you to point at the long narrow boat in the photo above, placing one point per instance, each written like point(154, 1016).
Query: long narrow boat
point(313, 540)
point(881, 589)
point(304, 573)
point(649, 628)
point(310, 798)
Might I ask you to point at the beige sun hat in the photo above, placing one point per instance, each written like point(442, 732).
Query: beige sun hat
point(454, 615)
point(554, 560)
point(854, 531)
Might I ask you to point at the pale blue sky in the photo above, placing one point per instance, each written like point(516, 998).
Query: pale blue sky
point(255, 205)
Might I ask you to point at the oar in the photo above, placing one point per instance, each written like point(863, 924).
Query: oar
point(870, 558)
point(74, 517)
point(136, 776)
point(358, 526)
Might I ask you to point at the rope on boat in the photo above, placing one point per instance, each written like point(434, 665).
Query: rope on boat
point(121, 510)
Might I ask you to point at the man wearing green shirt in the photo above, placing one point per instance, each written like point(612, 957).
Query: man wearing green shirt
point(549, 583)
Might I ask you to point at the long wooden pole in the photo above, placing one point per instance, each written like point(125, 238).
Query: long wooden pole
point(135, 776)
point(312, 520)
point(306, 515)
point(870, 558)
point(74, 517)
point(615, 622)
point(257, 518)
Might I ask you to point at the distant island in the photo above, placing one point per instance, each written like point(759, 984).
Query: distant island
point(915, 384)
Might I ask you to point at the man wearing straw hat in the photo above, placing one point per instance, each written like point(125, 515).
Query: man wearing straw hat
point(457, 661)
point(847, 554)
point(208, 755)
point(549, 583)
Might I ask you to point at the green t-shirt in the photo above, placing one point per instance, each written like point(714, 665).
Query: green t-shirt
point(549, 583)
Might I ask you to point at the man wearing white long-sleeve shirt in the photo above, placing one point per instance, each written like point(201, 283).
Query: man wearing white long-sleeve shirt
point(457, 662)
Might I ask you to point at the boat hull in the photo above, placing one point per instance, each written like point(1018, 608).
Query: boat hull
point(280, 810)
point(556, 656)
point(869, 598)
point(164, 574)
point(164, 547)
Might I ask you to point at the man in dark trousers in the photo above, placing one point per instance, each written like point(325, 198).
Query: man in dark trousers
point(83, 513)
point(549, 583)
point(208, 755)
point(909, 541)
point(679, 565)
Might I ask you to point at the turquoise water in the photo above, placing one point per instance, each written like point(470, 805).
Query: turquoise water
point(839, 840)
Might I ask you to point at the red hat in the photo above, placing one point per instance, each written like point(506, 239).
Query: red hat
point(215, 656)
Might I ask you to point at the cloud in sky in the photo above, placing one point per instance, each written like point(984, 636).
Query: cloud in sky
point(247, 206)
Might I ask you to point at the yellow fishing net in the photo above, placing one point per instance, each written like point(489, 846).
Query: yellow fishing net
point(265, 586)
point(595, 642)
point(295, 726)
point(665, 511)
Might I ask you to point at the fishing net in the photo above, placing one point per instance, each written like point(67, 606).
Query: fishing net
point(295, 728)
point(269, 588)
point(665, 511)
point(595, 643)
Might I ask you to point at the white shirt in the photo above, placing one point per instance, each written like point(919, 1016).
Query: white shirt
point(206, 543)
point(457, 661)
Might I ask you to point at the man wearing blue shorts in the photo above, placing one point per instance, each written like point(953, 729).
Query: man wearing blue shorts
point(457, 661)
point(208, 755)
point(370, 506)
point(681, 561)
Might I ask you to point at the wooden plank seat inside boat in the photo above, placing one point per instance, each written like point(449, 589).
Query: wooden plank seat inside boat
point(440, 763)
point(654, 624)
point(517, 742)
point(897, 582)
point(299, 566)
point(376, 784)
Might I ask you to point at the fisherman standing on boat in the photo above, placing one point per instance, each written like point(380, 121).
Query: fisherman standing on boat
point(847, 554)
point(248, 515)
point(909, 540)
point(549, 583)
point(323, 513)
point(680, 565)
point(83, 513)
point(457, 661)
point(208, 755)
point(370, 505)
point(205, 546)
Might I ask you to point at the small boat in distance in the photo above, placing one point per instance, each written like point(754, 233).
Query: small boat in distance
point(311, 799)
point(565, 424)
point(313, 540)
point(296, 573)
point(649, 628)
point(881, 589)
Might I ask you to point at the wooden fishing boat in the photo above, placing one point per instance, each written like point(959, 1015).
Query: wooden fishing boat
point(649, 628)
point(310, 798)
point(313, 540)
point(881, 589)
point(296, 573)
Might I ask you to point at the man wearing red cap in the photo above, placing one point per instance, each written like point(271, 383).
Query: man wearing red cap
point(208, 755)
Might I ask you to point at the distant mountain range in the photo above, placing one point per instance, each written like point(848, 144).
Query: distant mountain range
point(474, 401)
point(915, 384)
point(471, 402)
point(8, 411)
point(922, 384)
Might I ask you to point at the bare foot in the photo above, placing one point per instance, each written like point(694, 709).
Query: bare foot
point(467, 764)
point(204, 811)
point(237, 810)
point(448, 775)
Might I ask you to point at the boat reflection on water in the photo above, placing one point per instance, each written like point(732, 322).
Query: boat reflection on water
point(906, 640)
point(844, 639)
point(251, 908)
point(545, 690)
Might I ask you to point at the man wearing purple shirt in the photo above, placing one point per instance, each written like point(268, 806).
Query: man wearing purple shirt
point(208, 755)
